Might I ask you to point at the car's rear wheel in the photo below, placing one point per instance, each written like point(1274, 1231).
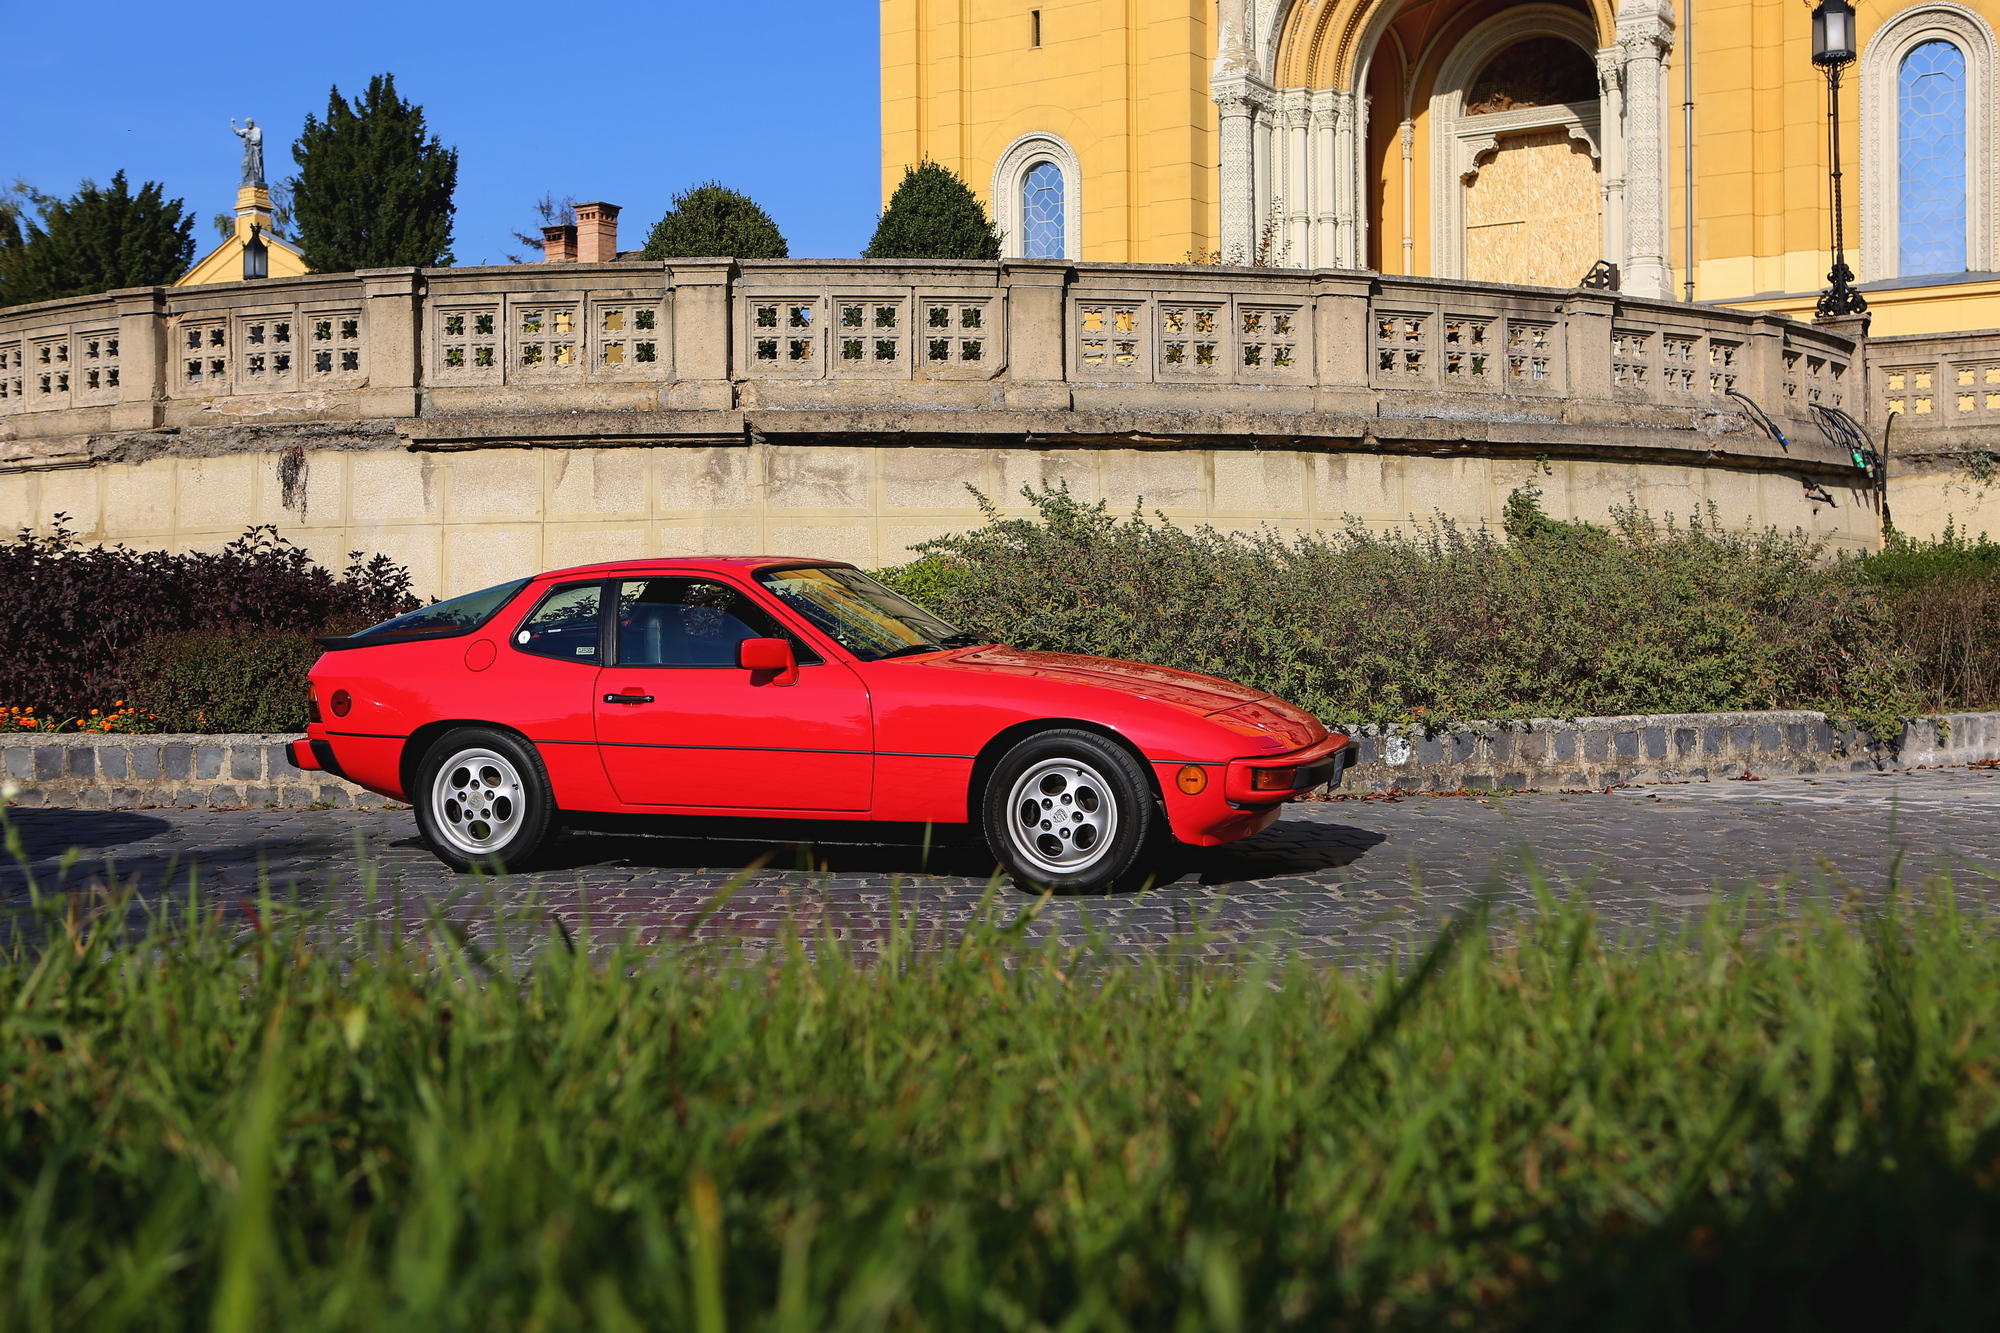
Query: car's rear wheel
point(1071, 812)
point(482, 798)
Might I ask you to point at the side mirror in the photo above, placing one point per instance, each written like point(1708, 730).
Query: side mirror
point(772, 657)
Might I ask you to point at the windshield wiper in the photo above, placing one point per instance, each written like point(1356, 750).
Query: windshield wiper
point(962, 639)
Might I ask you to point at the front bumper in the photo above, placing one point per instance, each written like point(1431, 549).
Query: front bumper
point(1230, 807)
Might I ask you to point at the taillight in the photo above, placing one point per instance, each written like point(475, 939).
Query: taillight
point(341, 701)
point(312, 706)
point(1273, 779)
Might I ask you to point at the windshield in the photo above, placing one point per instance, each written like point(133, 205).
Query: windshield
point(861, 615)
point(460, 615)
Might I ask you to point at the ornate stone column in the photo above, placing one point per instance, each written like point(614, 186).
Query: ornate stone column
point(1240, 100)
point(1645, 35)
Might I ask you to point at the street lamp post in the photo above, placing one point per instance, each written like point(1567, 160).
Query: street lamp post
point(1833, 51)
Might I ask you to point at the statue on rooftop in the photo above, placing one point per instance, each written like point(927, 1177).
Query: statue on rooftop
point(253, 152)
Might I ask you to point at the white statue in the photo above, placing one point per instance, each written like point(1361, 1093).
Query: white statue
point(253, 151)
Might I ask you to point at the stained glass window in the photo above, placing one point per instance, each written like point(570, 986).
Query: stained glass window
point(1930, 159)
point(1042, 212)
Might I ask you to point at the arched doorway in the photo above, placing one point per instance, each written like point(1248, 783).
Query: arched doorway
point(1517, 186)
point(1534, 211)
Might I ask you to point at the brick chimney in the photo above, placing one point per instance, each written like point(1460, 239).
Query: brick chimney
point(559, 244)
point(596, 232)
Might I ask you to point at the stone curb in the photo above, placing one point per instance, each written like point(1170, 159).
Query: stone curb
point(1586, 752)
point(254, 771)
point(195, 771)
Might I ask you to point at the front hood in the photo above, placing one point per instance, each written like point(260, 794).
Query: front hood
point(1242, 709)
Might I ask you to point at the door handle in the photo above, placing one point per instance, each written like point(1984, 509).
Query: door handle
point(628, 698)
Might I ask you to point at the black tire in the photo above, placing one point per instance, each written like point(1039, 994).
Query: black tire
point(482, 798)
point(1099, 825)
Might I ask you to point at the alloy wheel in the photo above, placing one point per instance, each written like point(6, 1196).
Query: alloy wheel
point(477, 801)
point(1062, 817)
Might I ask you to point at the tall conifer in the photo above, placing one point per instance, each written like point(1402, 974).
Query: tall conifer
point(98, 240)
point(933, 215)
point(711, 219)
point(371, 191)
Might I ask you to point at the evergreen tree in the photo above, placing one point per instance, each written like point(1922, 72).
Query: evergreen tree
point(371, 191)
point(933, 215)
point(712, 219)
point(96, 241)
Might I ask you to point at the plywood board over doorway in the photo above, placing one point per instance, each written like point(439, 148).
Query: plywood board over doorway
point(1532, 215)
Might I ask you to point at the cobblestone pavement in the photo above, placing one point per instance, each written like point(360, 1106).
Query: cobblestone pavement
point(1334, 878)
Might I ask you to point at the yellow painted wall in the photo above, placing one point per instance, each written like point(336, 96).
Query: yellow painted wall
point(1123, 82)
point(1127, 85)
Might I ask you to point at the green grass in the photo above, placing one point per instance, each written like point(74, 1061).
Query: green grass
point(265, 1124)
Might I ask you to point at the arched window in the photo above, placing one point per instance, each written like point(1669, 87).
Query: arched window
point(1930, 145)
point(1930, 160)
point(1035, 188)
point(1042, 212)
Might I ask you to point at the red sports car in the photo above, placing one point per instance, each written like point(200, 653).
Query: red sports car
point(761, 687)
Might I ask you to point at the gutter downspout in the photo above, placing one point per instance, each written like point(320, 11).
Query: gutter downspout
point(1687, 140)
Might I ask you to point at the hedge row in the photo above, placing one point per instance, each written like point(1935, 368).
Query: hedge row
point(1544, 618)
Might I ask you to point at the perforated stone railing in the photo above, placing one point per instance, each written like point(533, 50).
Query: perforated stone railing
point(706, 335)
point(1949, 383)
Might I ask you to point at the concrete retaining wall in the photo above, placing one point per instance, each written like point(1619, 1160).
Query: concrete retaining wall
point(101, 772)
point(1662, 747)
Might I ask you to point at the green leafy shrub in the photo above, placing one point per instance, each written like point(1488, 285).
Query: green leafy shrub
point(710, 220)
point(1446, 623)
point(1944, 598)
point(223, 680)
point(933, 215)
point(227, 1123)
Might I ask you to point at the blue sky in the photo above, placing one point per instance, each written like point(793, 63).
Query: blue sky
point(622, 102)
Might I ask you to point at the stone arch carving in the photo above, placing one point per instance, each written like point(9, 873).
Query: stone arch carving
point(1877, 256)
point(1458, 140)
point(1021, 157)
point(1290, 80)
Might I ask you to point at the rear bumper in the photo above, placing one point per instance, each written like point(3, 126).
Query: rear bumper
point(312, 756)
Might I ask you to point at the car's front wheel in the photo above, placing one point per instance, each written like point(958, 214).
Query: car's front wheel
point(482, 797)
point(1071, 812)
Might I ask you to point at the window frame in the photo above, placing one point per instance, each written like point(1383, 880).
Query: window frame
point(805, 653)
point(1009, 193)
point(551, 590)
point(1878, 258)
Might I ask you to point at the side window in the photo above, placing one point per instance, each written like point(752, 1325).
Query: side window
point(564, 625)
point(691, 623)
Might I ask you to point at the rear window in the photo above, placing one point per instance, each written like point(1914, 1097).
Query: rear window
point(442, 620)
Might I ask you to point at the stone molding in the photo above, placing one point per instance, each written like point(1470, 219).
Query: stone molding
point(1877, 255)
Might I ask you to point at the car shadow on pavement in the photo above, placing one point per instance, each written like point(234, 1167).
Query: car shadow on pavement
point(49, 833)
point(1288, 848)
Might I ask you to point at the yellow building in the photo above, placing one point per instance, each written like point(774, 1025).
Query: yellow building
point(252, 251)
point(1489, 140)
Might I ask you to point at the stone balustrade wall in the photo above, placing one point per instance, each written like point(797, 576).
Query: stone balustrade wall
point(841, 407)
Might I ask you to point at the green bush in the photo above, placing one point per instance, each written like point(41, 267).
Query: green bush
point(1447, 623)
point(1944, 597)
point(231, 1124)
point(223, 680)
point(933, 215)
point(712, 220)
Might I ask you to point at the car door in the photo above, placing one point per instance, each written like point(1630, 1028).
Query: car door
point(680, 724)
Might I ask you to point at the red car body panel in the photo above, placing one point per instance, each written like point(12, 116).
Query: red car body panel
point(892, 740)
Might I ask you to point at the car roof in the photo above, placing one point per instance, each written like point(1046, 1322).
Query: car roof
point(698, 564)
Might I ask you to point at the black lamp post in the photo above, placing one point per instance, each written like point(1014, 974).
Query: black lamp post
point(1833, 51)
